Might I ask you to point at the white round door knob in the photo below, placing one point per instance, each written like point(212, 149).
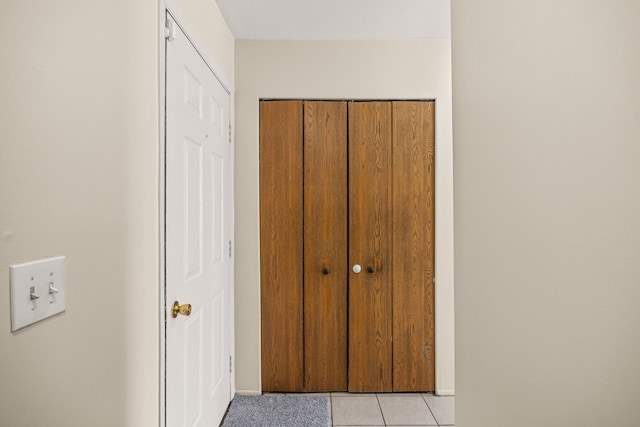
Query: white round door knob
point(356, 268)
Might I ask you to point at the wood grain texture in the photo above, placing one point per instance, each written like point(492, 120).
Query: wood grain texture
point(281, 245)
point(413, 246)
point(370, 294)
point(325, 245)
point(381, 322)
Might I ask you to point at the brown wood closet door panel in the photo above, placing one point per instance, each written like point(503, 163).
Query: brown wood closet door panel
point(325, 245)
point(370, 291)
point(413, 244)
point(281, 245)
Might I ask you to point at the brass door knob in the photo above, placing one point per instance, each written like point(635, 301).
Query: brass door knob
point(184, 309)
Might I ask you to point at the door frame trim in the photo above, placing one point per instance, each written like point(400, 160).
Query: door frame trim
point(168, 7)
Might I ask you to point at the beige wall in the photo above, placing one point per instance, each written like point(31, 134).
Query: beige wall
point(351, 70)
point(78, 169)
point(79, 177)
point(547, 212)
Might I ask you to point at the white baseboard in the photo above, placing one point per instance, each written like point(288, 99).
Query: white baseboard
point(258, 393)
point(248, 392)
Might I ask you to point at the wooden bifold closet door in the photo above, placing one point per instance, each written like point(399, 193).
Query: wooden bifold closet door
point(345, 184)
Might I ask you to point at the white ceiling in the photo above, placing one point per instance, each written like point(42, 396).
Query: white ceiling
point(337, 19)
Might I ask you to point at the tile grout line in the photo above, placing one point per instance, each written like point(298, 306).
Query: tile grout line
point(331, 406)
point(429, 407)
point(384, 420)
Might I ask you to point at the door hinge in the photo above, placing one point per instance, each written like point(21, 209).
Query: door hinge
point(170, 30)
point(426, 350)
point(230, 364)
point(229, 248)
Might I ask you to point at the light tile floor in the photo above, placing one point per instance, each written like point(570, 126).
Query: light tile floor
point(390, 409)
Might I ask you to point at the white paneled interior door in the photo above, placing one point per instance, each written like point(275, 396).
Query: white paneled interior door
point(198, 235)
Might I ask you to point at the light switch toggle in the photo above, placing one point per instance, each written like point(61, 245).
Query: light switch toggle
point(52, 293)
point(33, 297)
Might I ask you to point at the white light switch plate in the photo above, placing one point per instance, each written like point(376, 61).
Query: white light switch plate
point(38, 291)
